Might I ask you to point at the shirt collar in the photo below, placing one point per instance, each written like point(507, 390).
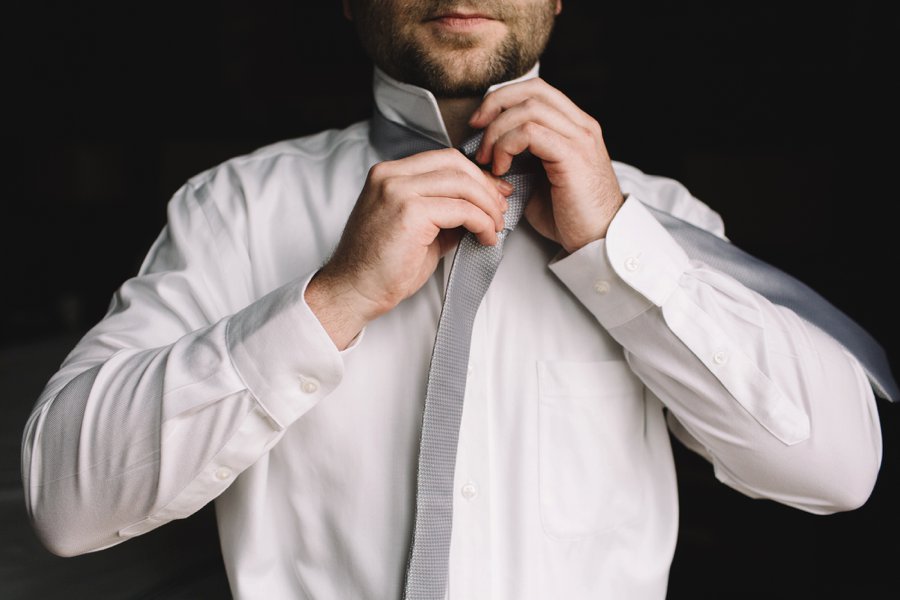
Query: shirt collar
point(416, 107)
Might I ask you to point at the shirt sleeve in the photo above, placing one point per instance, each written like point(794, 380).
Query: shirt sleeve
point(185, 383)
point(780, 409)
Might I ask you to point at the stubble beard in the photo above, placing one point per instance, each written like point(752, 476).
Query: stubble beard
point(457, 68)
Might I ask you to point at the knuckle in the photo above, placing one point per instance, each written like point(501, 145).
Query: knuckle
point(491, 140)
point(482, 226)
point(405, 212)
point(390, 186)
point(473, 213)
point(469, 170)
point(462, 162)
point(379, 172)
point(456, 160)
point(530, 128)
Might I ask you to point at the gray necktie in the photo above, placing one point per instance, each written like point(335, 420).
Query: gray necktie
point(470, 275)
point(473, 268)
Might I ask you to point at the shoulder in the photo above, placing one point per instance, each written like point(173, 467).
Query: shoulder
point(669, 195)
point(272, 174)
point(305, 153)
point(269, 179)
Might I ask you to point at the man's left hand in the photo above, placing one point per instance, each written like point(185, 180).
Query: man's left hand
point(583, 193)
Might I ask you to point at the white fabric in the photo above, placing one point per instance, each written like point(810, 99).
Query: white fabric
point(210, 378)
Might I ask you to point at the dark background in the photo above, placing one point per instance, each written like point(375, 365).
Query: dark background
point(778, 116)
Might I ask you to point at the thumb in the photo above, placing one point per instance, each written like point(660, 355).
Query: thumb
point(539, 214)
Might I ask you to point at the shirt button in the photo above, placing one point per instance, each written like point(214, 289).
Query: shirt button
point(309, 385)
point(469, 491)
point(223, 473)
point(470, 368)
point(601, 287)
point(632, 263)
point(720, 357)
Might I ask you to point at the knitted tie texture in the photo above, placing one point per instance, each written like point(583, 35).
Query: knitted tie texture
point(470, 276)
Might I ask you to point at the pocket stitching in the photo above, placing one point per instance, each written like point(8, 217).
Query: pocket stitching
point(546, 398)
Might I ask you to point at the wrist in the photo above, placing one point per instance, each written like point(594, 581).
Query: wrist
point(607, 214)
point(342, 311)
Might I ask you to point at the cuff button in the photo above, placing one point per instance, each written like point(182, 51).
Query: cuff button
point(601, 287)
point(309, 385)
point(632, 263)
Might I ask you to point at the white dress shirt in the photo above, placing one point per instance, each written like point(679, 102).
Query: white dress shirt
point(211, 379)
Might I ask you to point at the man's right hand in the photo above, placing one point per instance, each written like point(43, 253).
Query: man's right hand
point(409, 214)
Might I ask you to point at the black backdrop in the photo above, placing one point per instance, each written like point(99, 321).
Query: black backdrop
point(779, 117)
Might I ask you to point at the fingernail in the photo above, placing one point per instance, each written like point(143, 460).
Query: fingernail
point(475, 116)
point(507, 186)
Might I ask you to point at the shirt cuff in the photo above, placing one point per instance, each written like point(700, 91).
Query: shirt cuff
point(637, 265)
point(283, 354)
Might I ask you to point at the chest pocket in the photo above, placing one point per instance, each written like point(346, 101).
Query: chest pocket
point(591, 429)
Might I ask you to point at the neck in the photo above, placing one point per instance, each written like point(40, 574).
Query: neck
point(456, 113)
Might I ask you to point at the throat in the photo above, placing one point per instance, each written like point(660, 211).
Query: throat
point(456, 113)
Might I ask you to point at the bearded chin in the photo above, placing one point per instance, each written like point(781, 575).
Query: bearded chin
point(456, 67)
point(470, 80)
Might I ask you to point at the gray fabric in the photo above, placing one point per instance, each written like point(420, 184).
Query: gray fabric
point(474, 266)
point(783, 289)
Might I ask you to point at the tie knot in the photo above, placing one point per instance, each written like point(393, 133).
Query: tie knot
point(393, 140)
point(524, 163)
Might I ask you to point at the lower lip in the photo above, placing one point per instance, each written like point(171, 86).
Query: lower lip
point(461, 23)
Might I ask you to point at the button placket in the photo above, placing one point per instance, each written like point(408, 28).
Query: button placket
point(720, 357)
point(470, 551)
point(469, 490)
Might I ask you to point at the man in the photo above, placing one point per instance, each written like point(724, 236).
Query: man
point(272, 354)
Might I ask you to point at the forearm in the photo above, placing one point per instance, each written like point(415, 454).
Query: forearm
point(121, 439)
point(780, 408)
point(120, 444)
point(832, 468)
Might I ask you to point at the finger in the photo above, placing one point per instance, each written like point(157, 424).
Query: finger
point(544, 143)
point(457, 184)
point(446, 158)
point(531, 109)
point(450, 213)
point(451, 158)
point(509, 95)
